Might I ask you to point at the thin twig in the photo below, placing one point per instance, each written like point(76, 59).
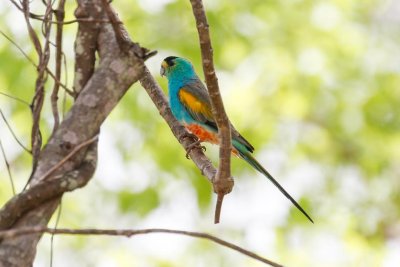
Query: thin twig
point(34, 16)
point(15, 98)
point(58, 82)
point(8, 168)
point(40, 17)
point(60, 13)
point(18, 47)
point(129, 233)
point(52, 235)
point(67, 157)
point(32, 34)
point(52, 75)
point(44, 56)
point(64, 100)
point(13, 133)
point(77, 21)
point(223, 182)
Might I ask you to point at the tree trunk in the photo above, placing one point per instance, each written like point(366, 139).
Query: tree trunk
point(97, 92)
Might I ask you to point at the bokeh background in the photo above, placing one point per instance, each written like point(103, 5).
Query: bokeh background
point(314, 85)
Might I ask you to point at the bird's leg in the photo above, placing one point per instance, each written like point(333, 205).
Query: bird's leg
point(187, 135)
point(195, 144)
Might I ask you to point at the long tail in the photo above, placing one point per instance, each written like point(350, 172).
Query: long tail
point(247, 156)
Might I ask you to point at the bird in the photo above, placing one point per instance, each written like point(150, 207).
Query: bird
point(191, 105)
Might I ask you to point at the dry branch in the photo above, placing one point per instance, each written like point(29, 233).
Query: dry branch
point(223, 182)
point(130, 233)
point(59, 13)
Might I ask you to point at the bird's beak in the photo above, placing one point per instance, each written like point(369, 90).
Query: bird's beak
point(162, 71)
point(164, 66)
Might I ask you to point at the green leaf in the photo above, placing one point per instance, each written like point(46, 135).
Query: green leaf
point(141, 203)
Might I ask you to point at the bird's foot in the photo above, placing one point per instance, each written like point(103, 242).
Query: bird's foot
point(188, 135)
point(194, 145)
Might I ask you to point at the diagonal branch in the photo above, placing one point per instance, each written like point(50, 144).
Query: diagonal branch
point(130, 233)
point(223, 182)
point(67, 157)
point(49, 189)
point(157, 96)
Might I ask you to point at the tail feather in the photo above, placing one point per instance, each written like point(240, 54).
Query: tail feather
point(246, 155)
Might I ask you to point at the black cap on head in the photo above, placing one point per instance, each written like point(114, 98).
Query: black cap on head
point(170, 60)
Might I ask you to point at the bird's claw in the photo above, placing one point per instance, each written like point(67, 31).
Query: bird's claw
point(188, 135)
point(194, 145)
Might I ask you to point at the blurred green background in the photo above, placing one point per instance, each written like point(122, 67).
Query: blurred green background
point(314, 85)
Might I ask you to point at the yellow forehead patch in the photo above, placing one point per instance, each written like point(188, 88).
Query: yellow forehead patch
point(164, 64)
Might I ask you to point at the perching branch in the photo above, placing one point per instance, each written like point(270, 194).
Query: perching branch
point(196, 154)
point(130, 233)
point(223, 182)
point(157, 96)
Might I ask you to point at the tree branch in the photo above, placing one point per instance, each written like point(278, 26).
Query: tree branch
point(99, 91)
point(223, 182)
point(130, 233)
point(86, 43)
point(49, 189)
point(59, 13)
point(157, 96)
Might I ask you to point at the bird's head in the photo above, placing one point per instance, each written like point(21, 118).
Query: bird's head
point(176, 67)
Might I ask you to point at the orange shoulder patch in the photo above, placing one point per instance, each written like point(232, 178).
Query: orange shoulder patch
point(193, 103)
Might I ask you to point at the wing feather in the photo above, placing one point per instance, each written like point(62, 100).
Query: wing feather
point(195, 99)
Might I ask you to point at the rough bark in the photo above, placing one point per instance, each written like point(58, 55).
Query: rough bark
point(100, 90)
